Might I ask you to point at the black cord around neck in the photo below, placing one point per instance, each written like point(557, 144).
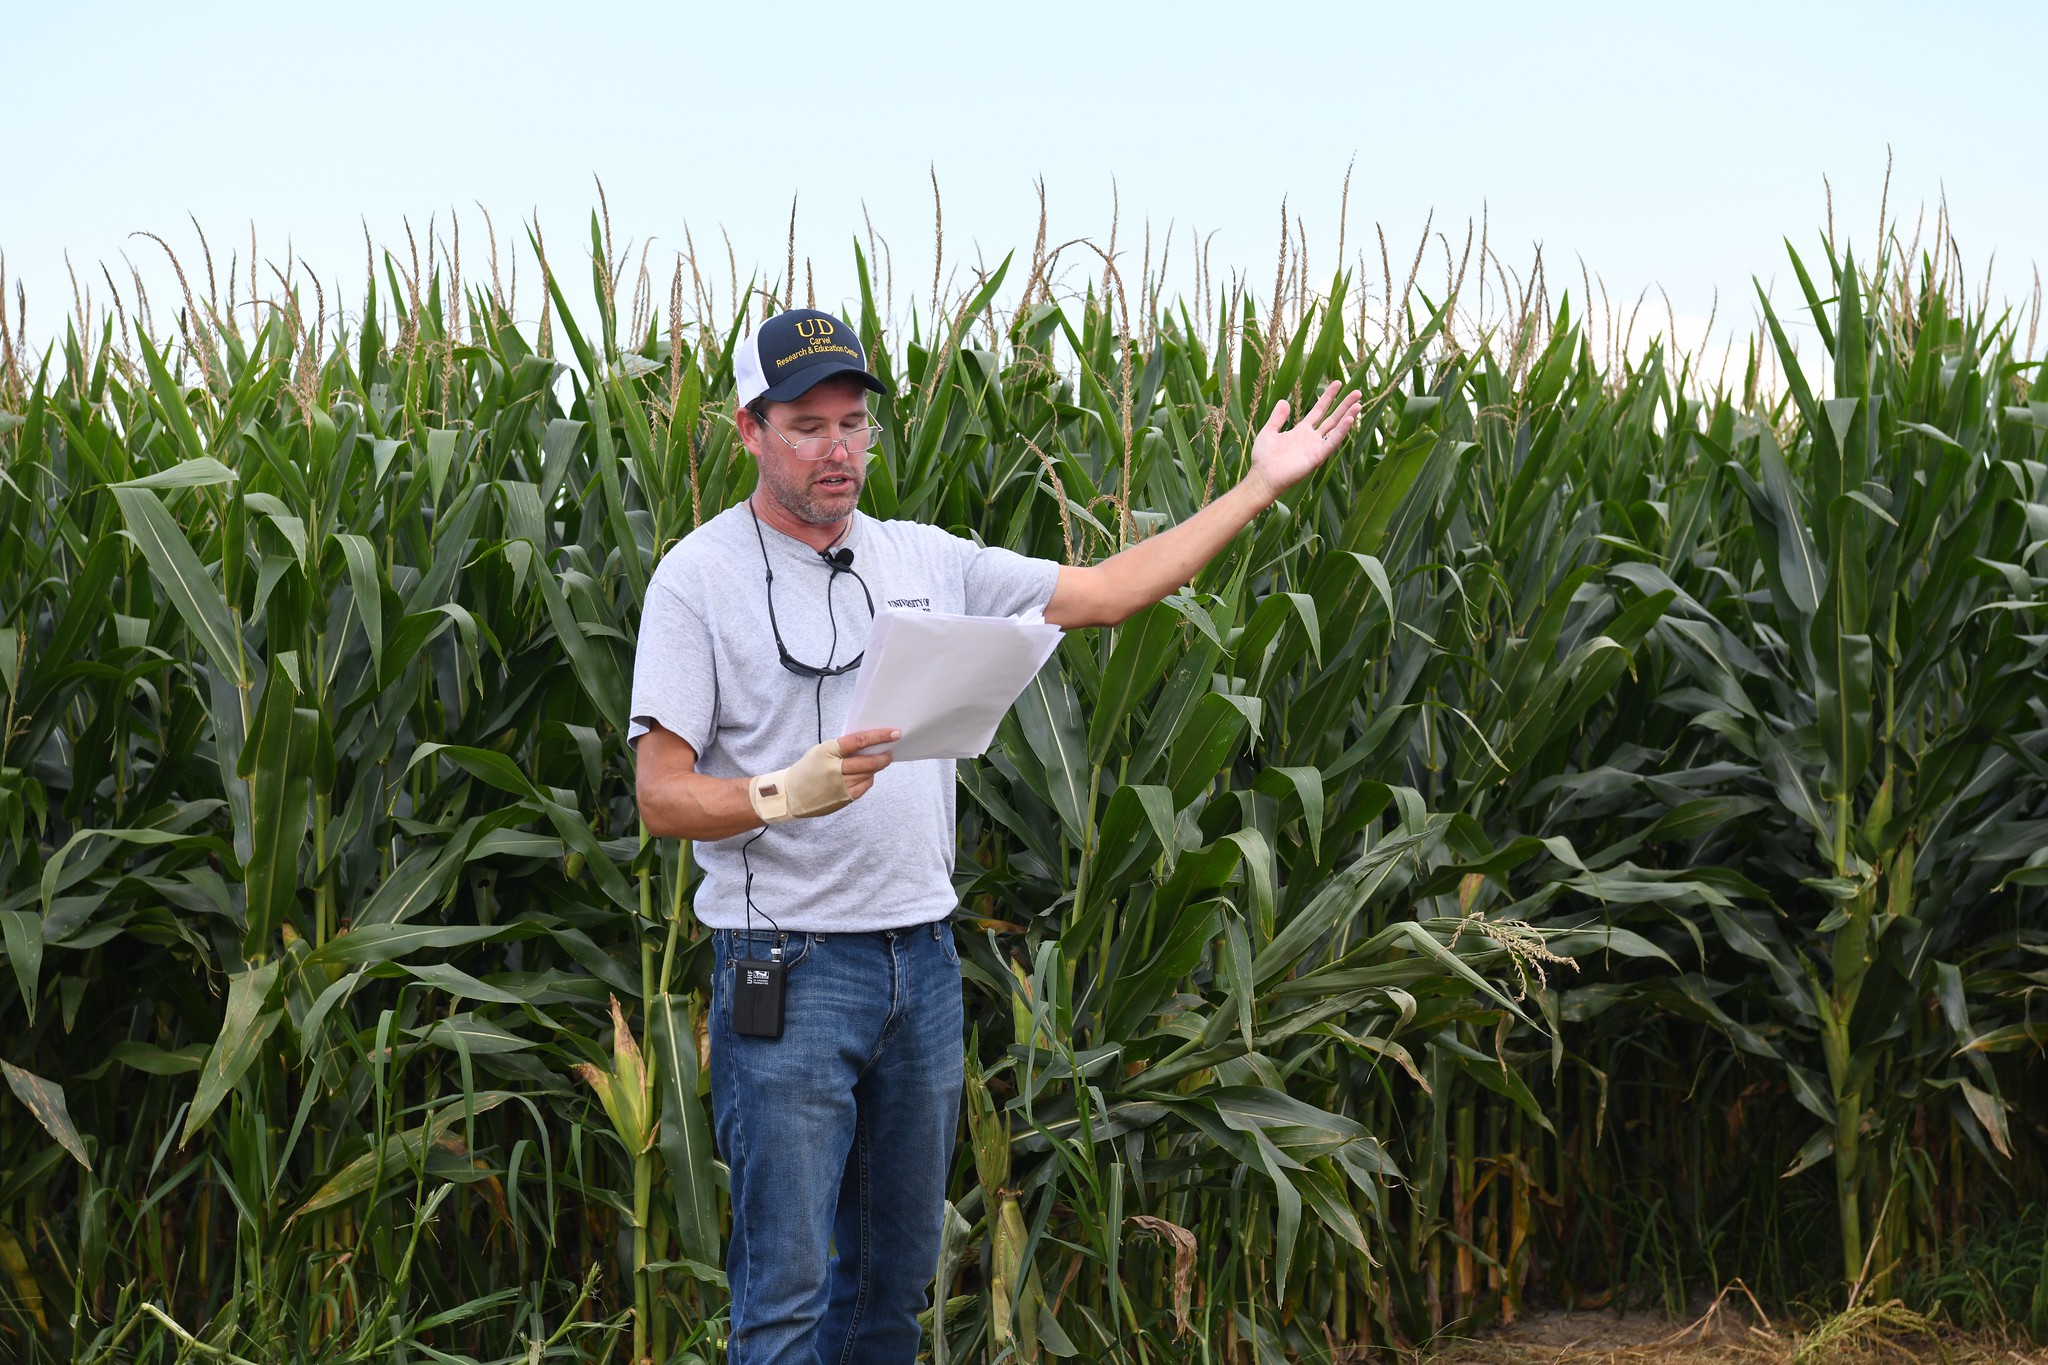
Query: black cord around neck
point(838, 561)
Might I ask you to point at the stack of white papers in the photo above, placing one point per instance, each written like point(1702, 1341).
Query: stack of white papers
point(945, 681)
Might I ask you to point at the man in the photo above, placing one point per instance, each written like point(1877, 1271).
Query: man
point(827, 874)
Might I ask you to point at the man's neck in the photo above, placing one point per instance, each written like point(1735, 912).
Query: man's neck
point(773, 513)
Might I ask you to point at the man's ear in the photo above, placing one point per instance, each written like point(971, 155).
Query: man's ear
point(749, 428)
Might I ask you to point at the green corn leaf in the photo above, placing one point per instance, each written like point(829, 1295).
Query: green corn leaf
point(1051, 722)
point(45, 1100)
point(685, 1134)
point(498, 770)
point(1339, 899)
point(457, 984)
point(400, 1156)
point(1307, 786)
point(1131, 813)
point(1796, 570)
point(311, 1025)
point(1503, 1080)
point(368, 584)
point(1143, 652)
point(1843, 657)
point(595, 669)
point(23, 935)
point(1323, 1190)
point(473, 1035)
point(278, 763)
point(184, 580)
point(170, 403)
point(1199, 753)
point(380, 943)
point(203, 472)
point(249, 1021)
point(440, 457)
point(413, 886)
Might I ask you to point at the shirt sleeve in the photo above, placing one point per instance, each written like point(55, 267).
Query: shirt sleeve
point(1004, 583)
point(675, 681)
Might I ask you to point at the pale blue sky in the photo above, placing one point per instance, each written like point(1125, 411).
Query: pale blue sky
point(1672, 144)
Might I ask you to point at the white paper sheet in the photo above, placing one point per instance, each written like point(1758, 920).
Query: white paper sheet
point(945, 681)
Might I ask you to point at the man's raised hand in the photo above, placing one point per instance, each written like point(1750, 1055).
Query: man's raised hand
point(1281, 459)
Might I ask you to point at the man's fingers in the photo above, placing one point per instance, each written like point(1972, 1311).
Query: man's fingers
point(858, 769)
point(1315, 414)
point(866, 739)
point(1345, 412)
point(1276, 419)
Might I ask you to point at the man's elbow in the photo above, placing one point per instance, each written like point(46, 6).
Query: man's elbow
point(1120, 600)
point(1111, 609)
point(1118, 611)
point(1093, 596)
point(658, 811)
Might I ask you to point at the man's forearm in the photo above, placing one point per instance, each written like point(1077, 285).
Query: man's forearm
point(693, 805)
point(1134, 578)
point(678, 802)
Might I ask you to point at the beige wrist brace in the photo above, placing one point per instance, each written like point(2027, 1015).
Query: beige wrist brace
point(813, 785)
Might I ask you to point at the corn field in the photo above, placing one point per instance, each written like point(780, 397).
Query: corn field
point(1586, 846)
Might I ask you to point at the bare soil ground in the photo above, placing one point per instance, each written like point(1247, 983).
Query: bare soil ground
point(1729, 1333)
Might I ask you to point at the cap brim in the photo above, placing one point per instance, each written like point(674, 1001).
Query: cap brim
point(802, 382)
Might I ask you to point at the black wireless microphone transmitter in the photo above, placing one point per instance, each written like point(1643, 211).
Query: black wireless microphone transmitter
point(757, 996)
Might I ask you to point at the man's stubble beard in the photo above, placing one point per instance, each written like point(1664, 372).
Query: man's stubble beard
point(801, 501)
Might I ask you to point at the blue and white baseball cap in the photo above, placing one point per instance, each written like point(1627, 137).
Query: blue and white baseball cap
point(786, 357)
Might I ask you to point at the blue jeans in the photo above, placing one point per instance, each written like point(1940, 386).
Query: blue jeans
point(839, 1136)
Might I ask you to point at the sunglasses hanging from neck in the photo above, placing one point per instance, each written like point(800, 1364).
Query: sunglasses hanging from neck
point(839, 562)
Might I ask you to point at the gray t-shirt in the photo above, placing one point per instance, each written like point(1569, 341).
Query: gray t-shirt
point(707, 671)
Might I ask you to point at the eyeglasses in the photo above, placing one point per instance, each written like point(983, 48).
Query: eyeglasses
point(857, 442)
